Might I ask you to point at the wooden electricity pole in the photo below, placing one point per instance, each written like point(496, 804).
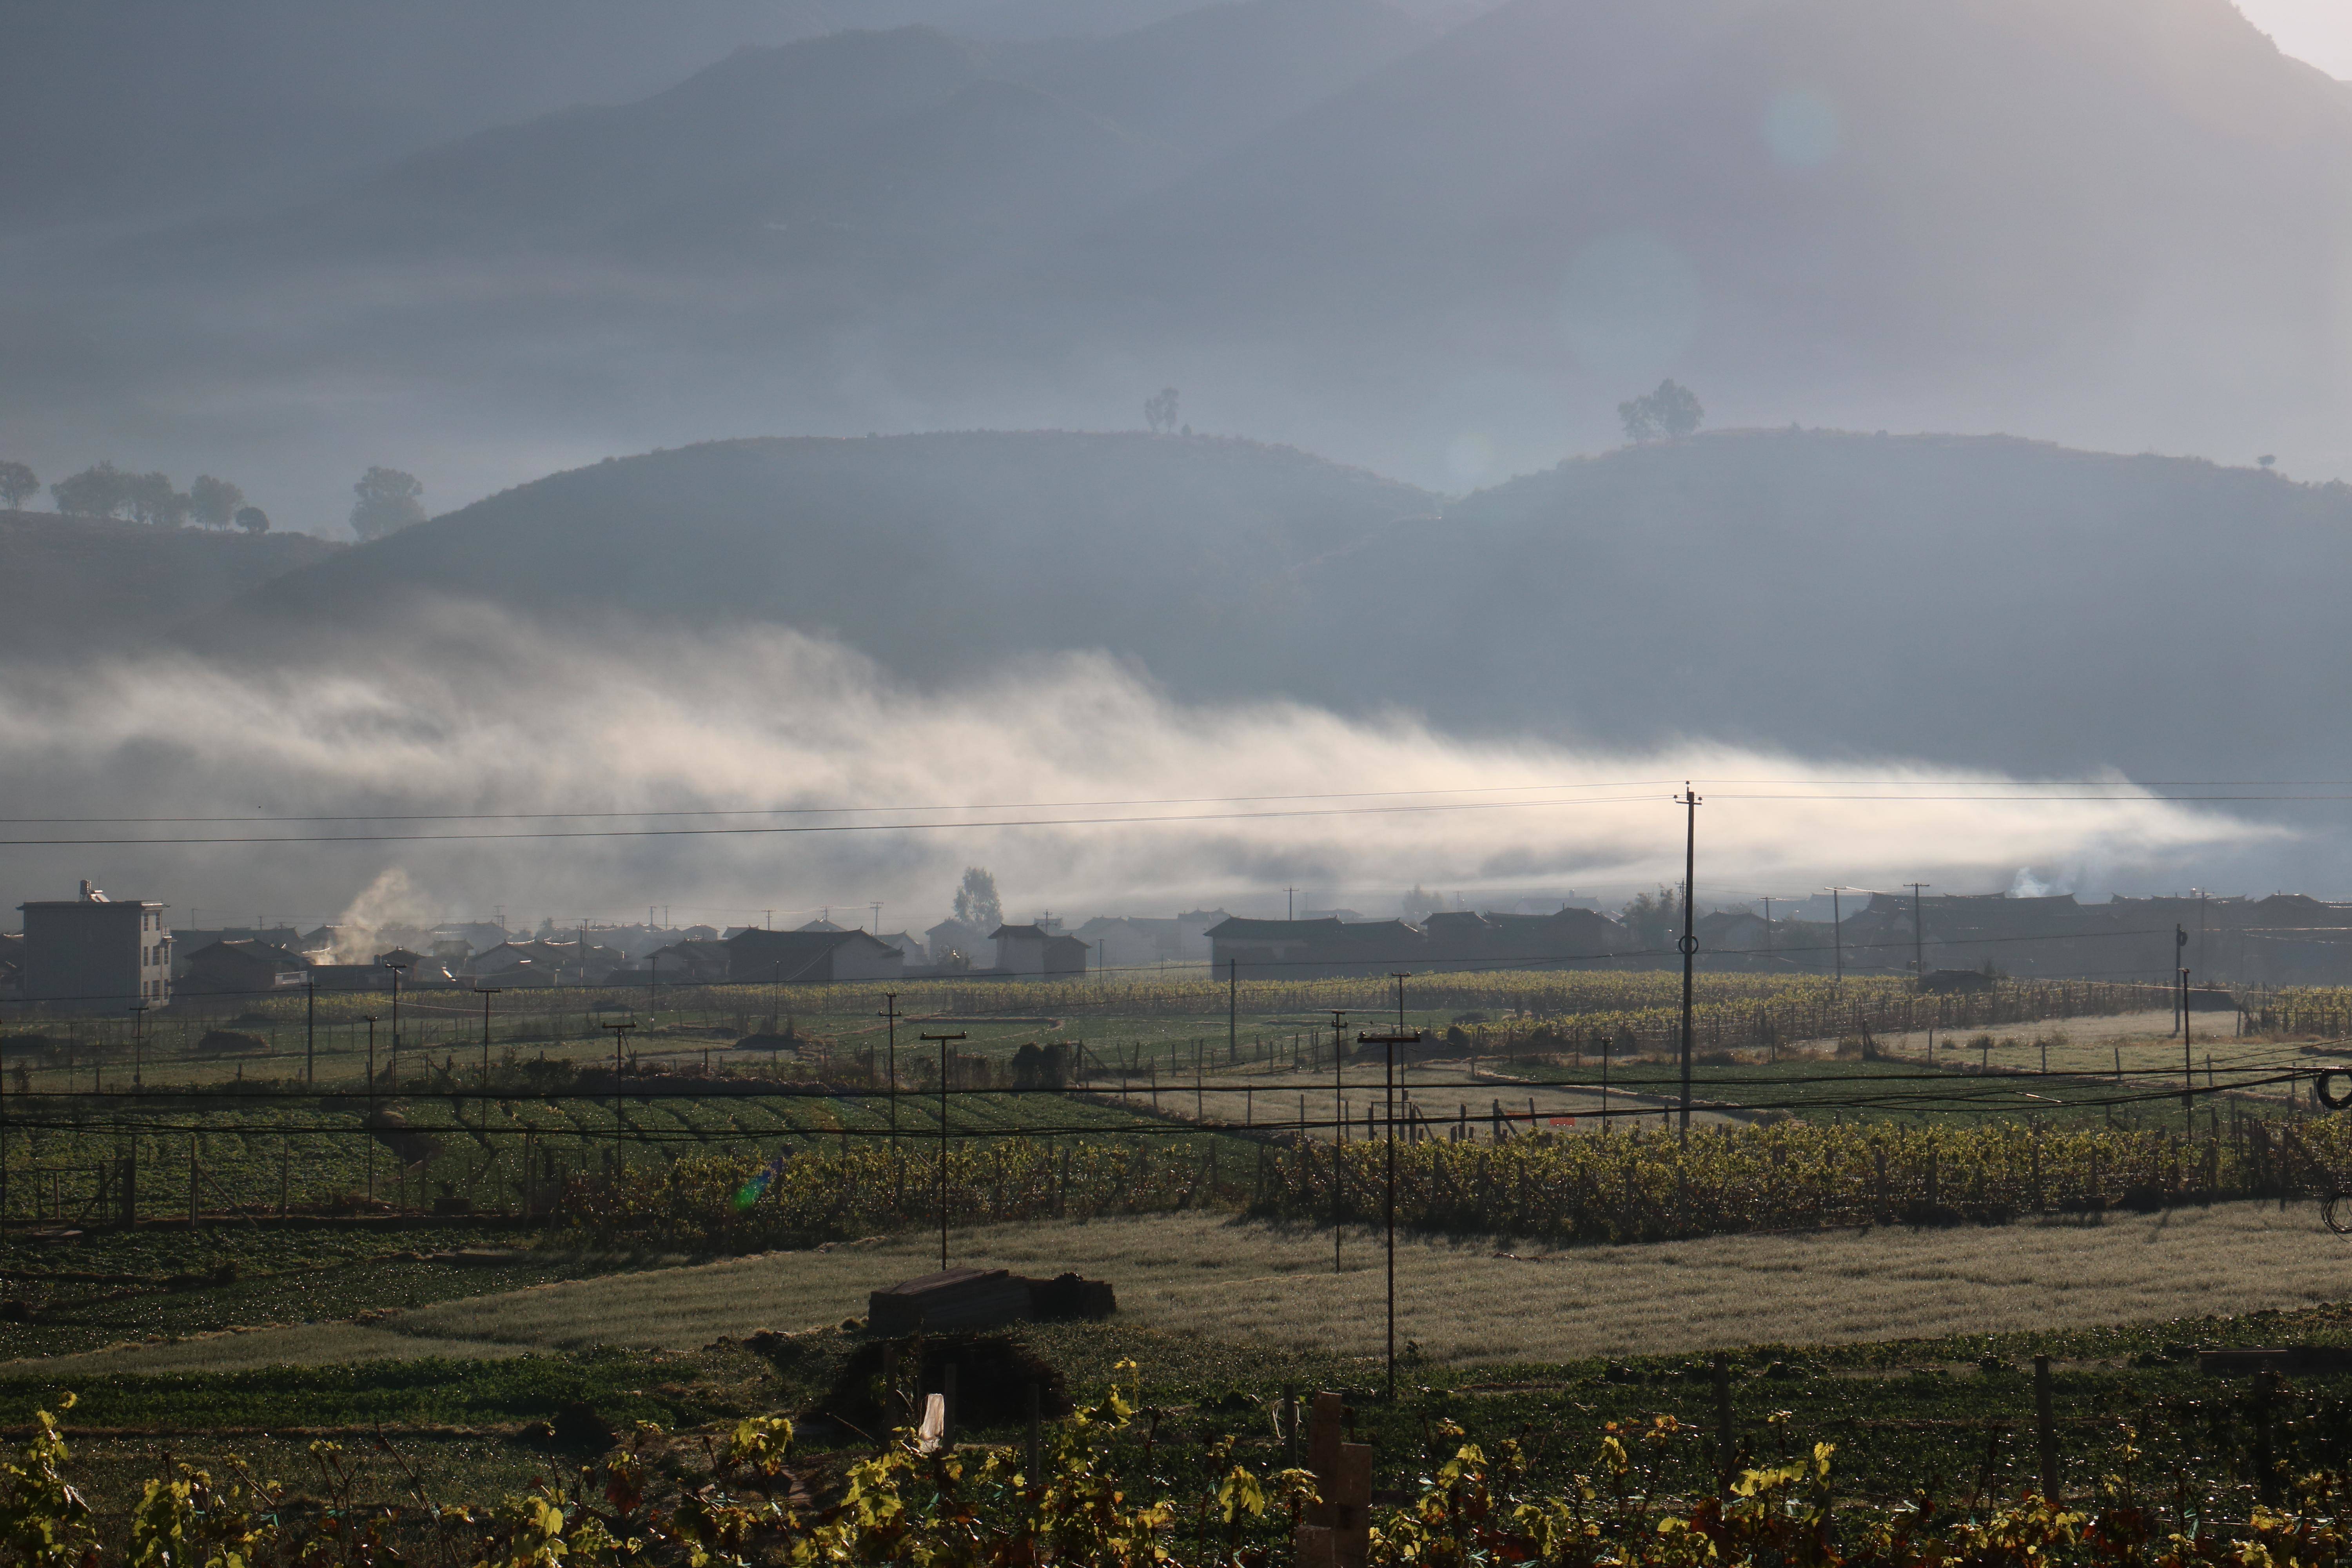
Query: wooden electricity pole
point(943, 1041)
point(1689, 943)
point(891, 1016)
point(1392, 1039)
point(1918, 933)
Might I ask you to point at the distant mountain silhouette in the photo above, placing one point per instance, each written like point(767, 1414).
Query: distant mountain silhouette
point(2100, 217)
point(862, 129)
point(1448, 255)
point(1980, 601)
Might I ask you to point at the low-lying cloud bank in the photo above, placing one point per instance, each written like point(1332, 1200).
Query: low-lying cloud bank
point(887, 791)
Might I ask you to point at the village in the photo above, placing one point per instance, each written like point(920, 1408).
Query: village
point(96, 954)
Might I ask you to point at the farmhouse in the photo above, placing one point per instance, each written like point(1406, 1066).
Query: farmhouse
point(1034, 949)
point(241, 969)
point(810, 957)
point(1290, 950)
point(95, 952)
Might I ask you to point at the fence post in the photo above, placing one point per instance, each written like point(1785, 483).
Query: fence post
point(1036, 1446)
point(1725, 1465)
point(2045, 1429)
point(2265, 1468)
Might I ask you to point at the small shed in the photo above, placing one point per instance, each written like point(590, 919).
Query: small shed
point(984, 1298)
point(954, 1298)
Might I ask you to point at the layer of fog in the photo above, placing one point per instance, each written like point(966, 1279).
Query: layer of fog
point(472, 715)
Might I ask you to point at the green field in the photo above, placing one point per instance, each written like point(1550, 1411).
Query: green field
point(1906, 1348)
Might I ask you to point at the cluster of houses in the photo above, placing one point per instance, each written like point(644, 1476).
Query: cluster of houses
point(94, 953)
point(2286, 939)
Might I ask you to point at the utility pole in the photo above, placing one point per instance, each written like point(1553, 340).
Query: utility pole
point(138, 1045)
point(369, 1134)
point(2202, 967)
point(1291, 907)
point(1338, 1125)
point(309, 1033)
point(395, 969)
point(2187, 1057)
point(1837, 934)
point(485, 993)
point(1768, 922)
point(1919, 938)
point(620, 1033)
point(943, 1041)
point(876, 908)
point(1233, 1005)
point(1689, 943)
point(1399, 976)
point(890, 1012)
point(2180, 982)
point(1392, 1040)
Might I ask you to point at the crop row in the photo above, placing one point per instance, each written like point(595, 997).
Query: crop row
point(1637, 1185)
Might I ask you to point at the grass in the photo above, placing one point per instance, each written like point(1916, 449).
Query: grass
point(1462, 1301)
point(1905, 1413)
point(117, 1286)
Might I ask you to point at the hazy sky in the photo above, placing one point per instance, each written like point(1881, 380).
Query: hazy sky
point(2319, 31)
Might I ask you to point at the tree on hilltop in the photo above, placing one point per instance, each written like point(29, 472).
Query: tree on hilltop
point(17, 485)
point(1160, 412)
point(252, 519)
point(1666, 415)
point(214, 502)
point(153, 502)
point(389, 501)
point(99, 490)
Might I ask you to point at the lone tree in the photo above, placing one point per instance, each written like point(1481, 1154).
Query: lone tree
point(1160, 412)
point(99, 490)
point(1666, 415)
point(388, 502)
point(214, 502)
point(17, 485)
point(976, 903)
point(253, 519)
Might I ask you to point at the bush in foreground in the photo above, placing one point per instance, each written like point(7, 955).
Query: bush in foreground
point(917, 1500)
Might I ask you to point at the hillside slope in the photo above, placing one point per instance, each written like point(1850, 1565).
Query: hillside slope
point(937, 554)
point(1975, 601)
point(83, 588)
point(1982, 601)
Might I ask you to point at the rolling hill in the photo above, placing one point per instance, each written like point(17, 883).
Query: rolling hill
point(86, 589)
point(940, 555)
point(1972, 601)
